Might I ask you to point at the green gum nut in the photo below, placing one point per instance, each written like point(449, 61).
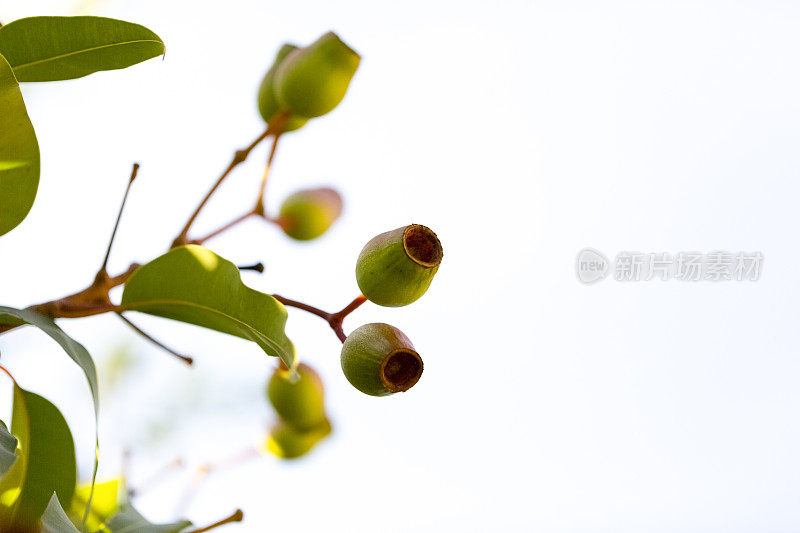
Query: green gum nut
point(379, 360)
point(299, 403)
point(307, 214)
point(396, 268)
point(268, 104)
point(312, 81)
point(286, 442)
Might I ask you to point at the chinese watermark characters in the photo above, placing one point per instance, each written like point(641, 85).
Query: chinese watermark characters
point(592, 266)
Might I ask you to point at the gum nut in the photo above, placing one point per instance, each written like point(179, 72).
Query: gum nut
point(313, 80)
point(396, 268)
point(300, 402)
point(307, 214)
point(268, 105)
point(379, 360)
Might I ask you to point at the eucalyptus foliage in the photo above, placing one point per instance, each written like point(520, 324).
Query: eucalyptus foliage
point(39, 490)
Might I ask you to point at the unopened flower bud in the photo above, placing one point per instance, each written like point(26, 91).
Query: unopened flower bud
point(311, 81)
point(307, 214)
point(299, 402)
point(397, 267)
point(378, 359)
point(286, 442)
point(268, 104)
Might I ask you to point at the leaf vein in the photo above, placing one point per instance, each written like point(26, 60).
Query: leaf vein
point(83, 51)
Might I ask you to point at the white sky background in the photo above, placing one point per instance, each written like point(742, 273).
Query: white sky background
point(520, 132)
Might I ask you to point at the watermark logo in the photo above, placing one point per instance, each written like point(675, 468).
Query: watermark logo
point(592, 266)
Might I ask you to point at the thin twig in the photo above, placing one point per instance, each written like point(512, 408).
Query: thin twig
point(224, 227)
point(116, 281)
point(352, 306)
point(186, 359)
point(258, 267)
point(305, 307)
point(134, 172)
point(334, 320)
point(239, 157)
point(237, 516)
point(260, 208)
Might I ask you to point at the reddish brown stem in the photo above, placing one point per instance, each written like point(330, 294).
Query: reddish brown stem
point(352, 306)
point(305, 307)
point(334, 320)
point(340, 333)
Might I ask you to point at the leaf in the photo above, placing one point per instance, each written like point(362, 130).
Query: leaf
point(64, 48)
point(55, 520)
point(106, 500)
point(8, 449)
point(128, 520)
point(19, 153)
point(194, 285)
point(45, 465)
point(74, 350)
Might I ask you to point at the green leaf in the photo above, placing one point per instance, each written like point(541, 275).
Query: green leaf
point(106, 501)
point(55, 520)
point(74, 350)
point(64, 48)
point(128, 520)
point(19, 153)
point(45, 465)
point(196, 286)
point(8, 449)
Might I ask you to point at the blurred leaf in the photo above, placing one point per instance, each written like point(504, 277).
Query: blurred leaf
point(128, 520)
point(64, 48)
point(19, 153)
point(8, 449)
point(196, 286)
point(106, 501)
point(55, 520)
point(74, 350)
point(45, 465)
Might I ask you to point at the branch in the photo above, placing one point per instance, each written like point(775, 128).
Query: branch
point(186, 359)
point(239, 157)
point(305, 307)
point(334, 320)
point(91, 301)
point(224, 227)
point(259, 208)
point(237, 516)
point(134, 172)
